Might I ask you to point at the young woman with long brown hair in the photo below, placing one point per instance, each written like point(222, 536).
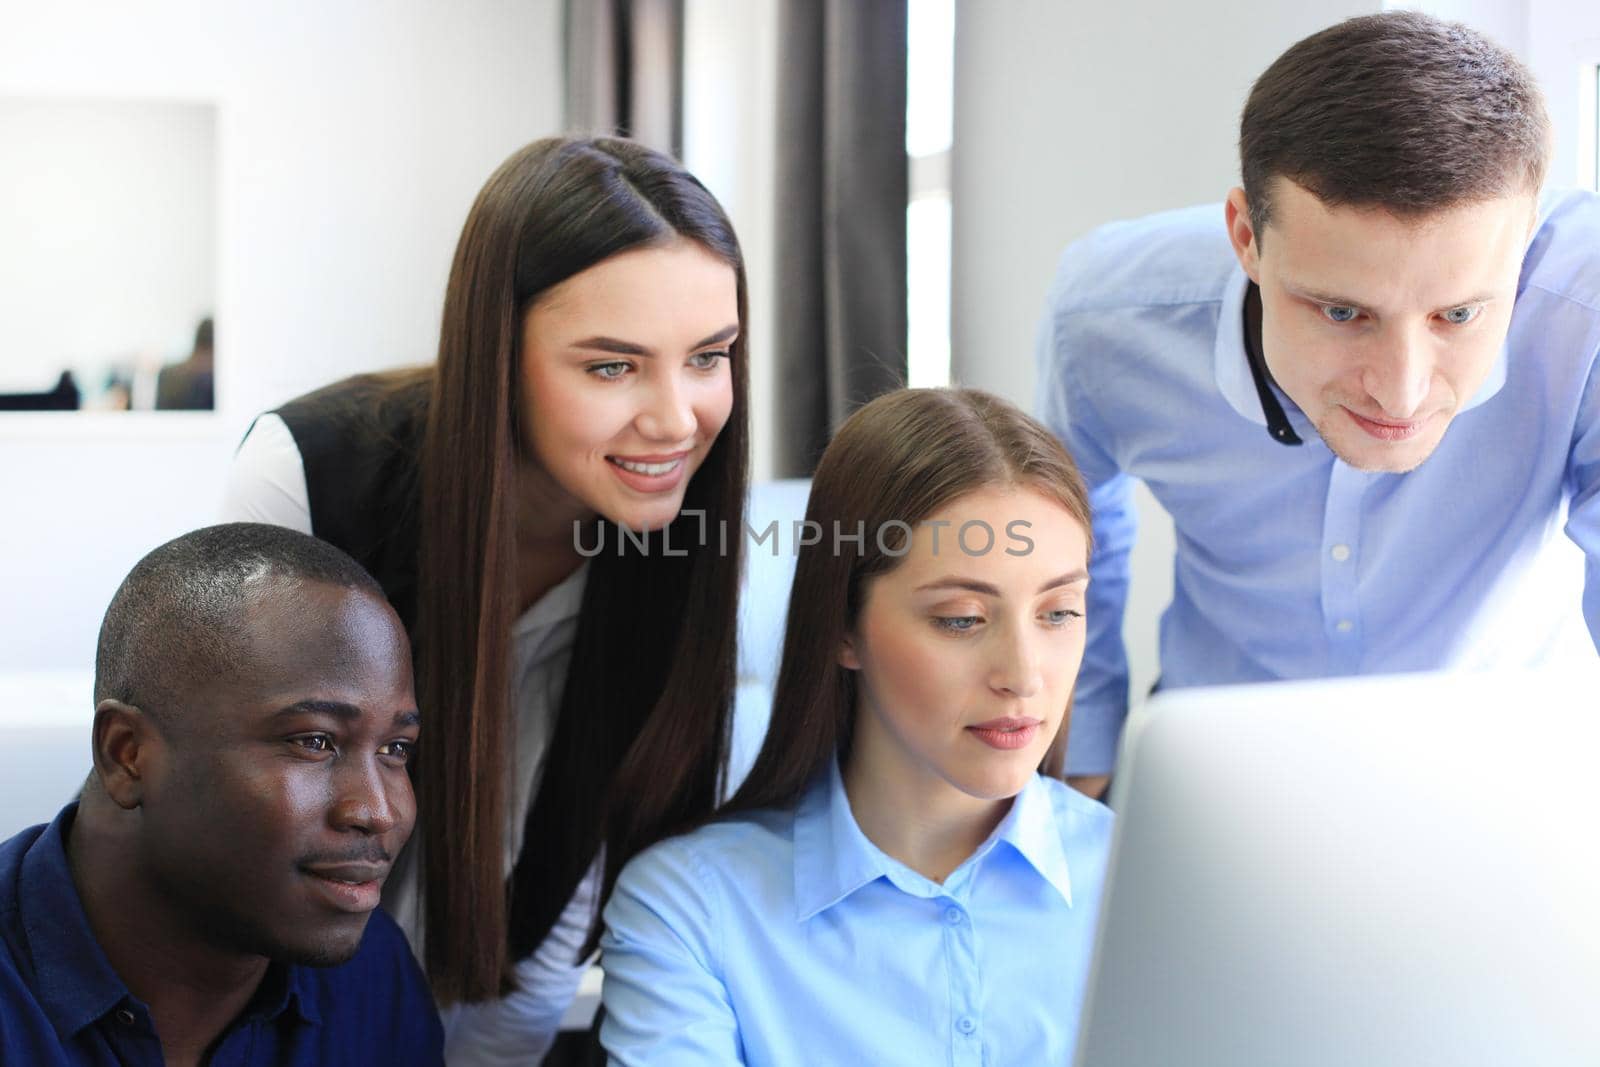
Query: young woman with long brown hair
point(902, 878)
point(576, 672)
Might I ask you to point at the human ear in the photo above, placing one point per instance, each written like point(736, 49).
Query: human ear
point(123, 741)
point(847, 657)
point(1242, 233)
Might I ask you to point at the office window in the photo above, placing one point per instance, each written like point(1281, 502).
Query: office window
point(930, 89)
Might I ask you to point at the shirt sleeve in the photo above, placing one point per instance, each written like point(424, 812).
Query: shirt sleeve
point(665, 1002)
point(520, 1027)
point(1583, 514)
point(267, 481)
point(1100, 700)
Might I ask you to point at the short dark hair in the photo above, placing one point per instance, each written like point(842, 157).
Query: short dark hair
point(178, 617)
point(1398, 110)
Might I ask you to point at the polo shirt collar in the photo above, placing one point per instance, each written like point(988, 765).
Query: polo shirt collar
point(284, 988)
point(75, 982)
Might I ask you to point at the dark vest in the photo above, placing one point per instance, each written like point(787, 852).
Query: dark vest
point(360, 441)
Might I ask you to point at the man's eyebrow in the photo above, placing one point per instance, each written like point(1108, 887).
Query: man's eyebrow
point(332, 708)
point(1322, 298)
point(1344, 301)
point(1476, 298)
point(338, 709)
point(619, 347)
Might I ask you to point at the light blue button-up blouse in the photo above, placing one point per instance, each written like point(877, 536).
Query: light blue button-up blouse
point(787, 937)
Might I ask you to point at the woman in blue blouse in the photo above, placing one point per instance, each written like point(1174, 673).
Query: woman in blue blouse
point(902, 879)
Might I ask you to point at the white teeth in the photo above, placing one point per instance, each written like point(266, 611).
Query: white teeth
point(651, 469)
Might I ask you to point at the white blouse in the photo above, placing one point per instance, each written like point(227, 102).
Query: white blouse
point(267, 483)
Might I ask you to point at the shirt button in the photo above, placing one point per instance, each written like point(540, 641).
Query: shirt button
point(125, 1017)
point(966, 1024)
point(1340, 553)
point(952, 915)
point(1344, 626)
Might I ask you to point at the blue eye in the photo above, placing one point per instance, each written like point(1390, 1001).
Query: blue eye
point(610, 371)
point(1061, 616)
point(707, 360)
point(1339, 312)
point(957, 624)
point(1462, 315)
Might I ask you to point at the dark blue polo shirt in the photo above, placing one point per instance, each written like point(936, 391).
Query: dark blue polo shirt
point(61, 1004)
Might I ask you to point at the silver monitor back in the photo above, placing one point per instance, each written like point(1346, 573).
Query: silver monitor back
point(1392, 872)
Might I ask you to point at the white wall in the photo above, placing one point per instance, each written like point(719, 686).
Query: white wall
point(1070, 114)
point(107, 235)
point(1559, 40)
point(1563, 51)
point(1505, 21)
point(352, 137)
point(729, 143)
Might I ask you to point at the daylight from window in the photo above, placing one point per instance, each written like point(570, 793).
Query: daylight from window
point(930, 79)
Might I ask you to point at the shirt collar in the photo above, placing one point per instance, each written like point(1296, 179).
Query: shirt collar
point(76, 983)
point(1030, 828)
point(833, 858)
point(1232, 362)
point(285, 987)
point(561, 602)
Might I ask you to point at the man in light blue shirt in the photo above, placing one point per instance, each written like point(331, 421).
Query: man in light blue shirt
point(1365, 388)
point(786, 937)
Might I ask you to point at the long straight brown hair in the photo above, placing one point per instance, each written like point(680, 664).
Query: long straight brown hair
point(898, 459)
point(640, 742)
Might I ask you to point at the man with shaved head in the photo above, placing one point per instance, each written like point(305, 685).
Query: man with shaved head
point(211, 896)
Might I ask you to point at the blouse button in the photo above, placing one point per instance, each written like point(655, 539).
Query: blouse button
point(952, 915)
point(966, 1024)
point(124, 1016)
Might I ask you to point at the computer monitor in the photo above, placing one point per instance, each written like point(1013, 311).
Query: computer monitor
point(1390, 872)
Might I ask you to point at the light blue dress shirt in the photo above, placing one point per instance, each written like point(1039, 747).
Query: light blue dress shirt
point(1291, 564)
point(786, 937)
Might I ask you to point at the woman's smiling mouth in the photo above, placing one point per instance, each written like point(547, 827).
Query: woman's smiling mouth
point(650, 474)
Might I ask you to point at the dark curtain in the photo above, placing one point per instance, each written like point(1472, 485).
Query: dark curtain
point(624, 70)
point(841, 223)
